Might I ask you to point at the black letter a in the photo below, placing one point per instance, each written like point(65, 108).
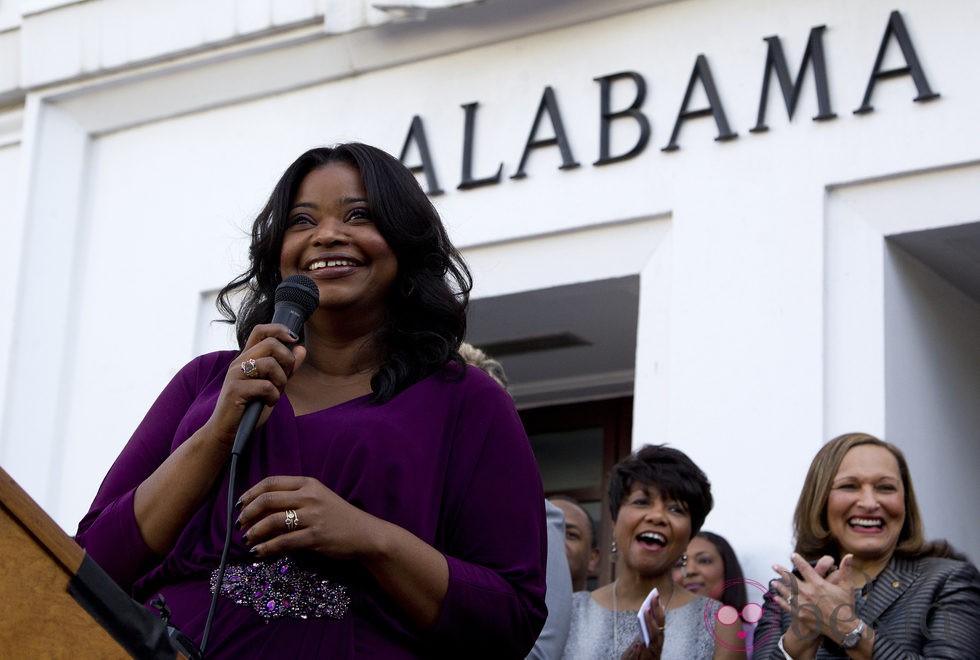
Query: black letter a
point(417, 134)
point(896, 27)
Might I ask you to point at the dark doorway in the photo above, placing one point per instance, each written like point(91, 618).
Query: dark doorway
point(576, 445)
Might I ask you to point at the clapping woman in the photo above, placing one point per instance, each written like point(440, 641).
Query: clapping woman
point(370, 518)
point(876, 588)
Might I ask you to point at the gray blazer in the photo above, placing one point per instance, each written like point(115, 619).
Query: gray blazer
point(551, 641)
point(919, 608)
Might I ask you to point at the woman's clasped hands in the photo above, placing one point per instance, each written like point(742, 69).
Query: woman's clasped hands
point(820, 600)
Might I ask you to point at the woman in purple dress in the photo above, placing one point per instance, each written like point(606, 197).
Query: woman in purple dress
point(371, 521)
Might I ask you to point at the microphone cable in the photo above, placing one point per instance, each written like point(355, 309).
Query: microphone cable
point(296, 298)
point(223, 564)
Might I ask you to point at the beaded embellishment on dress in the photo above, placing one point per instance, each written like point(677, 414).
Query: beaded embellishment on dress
point(283, 588)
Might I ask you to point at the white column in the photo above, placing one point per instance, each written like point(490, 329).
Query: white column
point(54, 152)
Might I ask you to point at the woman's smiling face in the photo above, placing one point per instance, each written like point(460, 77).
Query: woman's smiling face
point(332, 238)
point(651, 531)
point(866, 504)
point(705, 569)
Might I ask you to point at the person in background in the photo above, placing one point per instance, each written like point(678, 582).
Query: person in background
point(371, 521)
point(475, 357)
point(710, 568)
point(658, 498)
point(551, 641)
point(581, 542)
point(864, 581)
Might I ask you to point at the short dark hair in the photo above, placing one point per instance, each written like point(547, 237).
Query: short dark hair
point(735, 593)
point(428, 301)
point(671, 472)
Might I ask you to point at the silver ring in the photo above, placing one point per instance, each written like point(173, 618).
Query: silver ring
point(292, 520)
point(249, 368)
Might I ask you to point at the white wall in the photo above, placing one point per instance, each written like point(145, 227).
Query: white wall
point(10, 236)
point(932, 333)
point(901, 353)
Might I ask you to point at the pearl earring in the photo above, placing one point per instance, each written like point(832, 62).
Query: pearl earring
point(684, 566)
point(614, 549)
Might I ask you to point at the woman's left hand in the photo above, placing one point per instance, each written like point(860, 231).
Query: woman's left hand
point(289, 513)
point(822, 603)
point(280, 514)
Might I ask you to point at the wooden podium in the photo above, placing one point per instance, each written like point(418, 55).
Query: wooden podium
point(42, 614)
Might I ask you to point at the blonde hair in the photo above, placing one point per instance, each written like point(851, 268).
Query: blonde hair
point(477, 358)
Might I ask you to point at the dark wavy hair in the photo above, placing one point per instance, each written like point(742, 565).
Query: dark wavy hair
point(668, 470)
point(427, 305)
point(735, 593)
point(811, 527)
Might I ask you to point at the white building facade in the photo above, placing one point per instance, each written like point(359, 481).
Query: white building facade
point(754, 224)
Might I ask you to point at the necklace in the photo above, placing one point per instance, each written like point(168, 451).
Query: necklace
point(615, 610)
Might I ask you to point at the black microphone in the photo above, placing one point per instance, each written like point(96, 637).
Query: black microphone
point(296, 300)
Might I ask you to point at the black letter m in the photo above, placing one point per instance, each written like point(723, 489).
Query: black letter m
point(776, 60)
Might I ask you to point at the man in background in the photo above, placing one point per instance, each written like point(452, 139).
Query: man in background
point(581, 543)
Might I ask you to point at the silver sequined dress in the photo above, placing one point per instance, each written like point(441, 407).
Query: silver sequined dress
point(687, 636)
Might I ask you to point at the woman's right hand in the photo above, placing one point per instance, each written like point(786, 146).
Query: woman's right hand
point(259, 373)
point(815, 602)
point(655, 618)
point(167, 499)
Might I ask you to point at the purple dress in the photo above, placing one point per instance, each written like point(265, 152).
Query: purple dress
point(447, 459)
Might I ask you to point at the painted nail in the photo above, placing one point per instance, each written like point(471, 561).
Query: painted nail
point(239, 504)
point(245, 538)
point(293, 335)
point(238, 524)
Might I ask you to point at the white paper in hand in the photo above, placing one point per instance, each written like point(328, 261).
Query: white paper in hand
point(642, 615)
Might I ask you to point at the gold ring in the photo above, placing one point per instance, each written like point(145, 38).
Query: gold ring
point(249, 368)
point(292, 520)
